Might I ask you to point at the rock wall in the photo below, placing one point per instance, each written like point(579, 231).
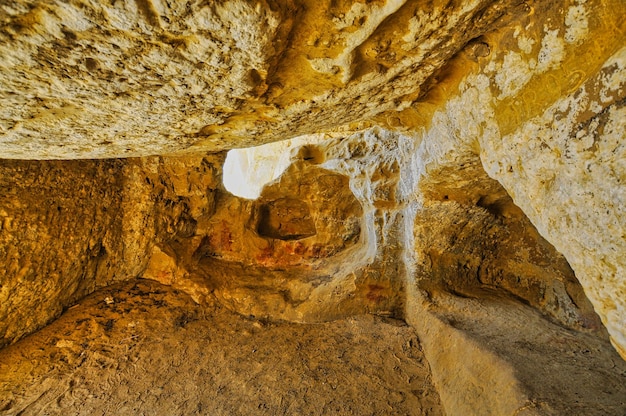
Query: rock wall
point(579, 163)
point(67, 229)
point(320, 243)
point(473, 241)
point(548, 130)
point(338, 223)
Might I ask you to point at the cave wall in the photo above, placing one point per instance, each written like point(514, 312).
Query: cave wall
point(67, 229)
point(473, 241)
point(321, 242)
point(337, 222)
point(543, 111)
point(577, 161)
point(72, 227)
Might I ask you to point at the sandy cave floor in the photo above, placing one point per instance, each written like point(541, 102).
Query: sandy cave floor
point(145, 349)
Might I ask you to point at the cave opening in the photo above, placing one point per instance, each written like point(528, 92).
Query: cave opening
point(246, 171)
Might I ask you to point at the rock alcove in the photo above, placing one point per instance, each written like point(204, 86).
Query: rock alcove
point(290, 207)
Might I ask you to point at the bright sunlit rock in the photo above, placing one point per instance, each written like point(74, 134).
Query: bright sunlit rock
point(247, 171)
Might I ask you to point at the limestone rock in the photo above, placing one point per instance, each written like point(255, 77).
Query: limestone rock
point(69, 228)
point(92, 79)
point(541, 128)
point(66, 230)
point(578, 163)
point(286, 219)
point(458, 165)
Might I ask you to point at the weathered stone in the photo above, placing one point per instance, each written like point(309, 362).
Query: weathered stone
point(91, 79)
point(285, 219)
point(164, 354)
point(67, 229)
point(464, 172)
point(529, 125)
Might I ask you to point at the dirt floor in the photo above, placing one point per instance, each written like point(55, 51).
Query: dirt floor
point(146, 349)
point(560, 371)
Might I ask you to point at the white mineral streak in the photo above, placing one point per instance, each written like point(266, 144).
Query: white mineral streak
point(576, 23)
point(517, 69)
point(524, 43)
point(376, 163)
point(552, 51)
point(515, 72)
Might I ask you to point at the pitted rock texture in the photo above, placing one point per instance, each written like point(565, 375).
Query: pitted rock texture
point(535, 127)
point(286, 219)
point(66, 230)
point(101, 80)
point(69, 228)
point(477, 251)
point(324, 272)
point(579, 163)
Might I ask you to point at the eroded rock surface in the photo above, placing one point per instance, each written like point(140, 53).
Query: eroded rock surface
point(464, 169)
point(97, 79)
point(69, 228)
point(66, 230)
point(529, 127)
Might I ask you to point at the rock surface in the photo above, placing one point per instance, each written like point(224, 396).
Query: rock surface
point(66, 230)
point(120, 352)
point(91, 79)
point(541, 130)
point(455, 164)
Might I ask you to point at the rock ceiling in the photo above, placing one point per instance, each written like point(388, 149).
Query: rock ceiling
point(91, 79)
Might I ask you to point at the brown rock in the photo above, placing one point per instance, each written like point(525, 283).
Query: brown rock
point(464, 173)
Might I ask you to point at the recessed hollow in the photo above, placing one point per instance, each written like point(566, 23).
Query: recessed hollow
point(285, 219)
